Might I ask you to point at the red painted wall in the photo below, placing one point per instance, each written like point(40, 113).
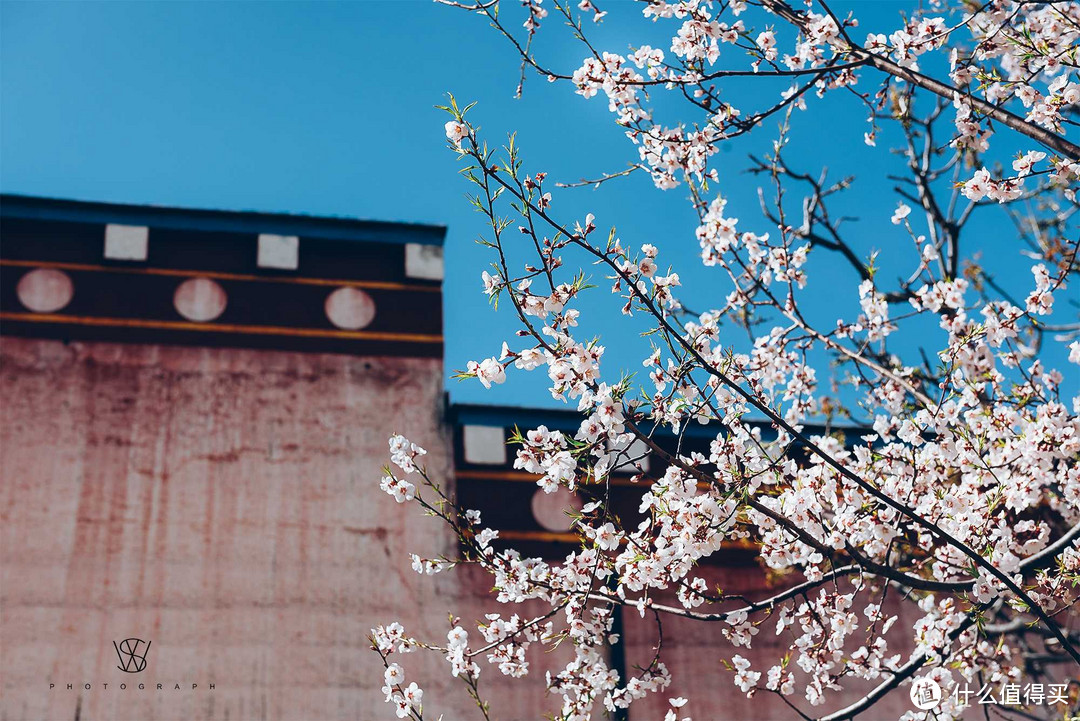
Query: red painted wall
point(224, 505)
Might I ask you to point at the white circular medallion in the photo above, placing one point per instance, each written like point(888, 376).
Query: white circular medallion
point(45, 290)
point(350, 308)
point(551, 509)
point(200, 300)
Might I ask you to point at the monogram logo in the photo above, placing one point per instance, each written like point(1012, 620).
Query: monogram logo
point(925, 693)
point(131, 661)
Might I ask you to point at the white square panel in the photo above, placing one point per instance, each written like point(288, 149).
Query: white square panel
point(423, 261)
point(636, 450)
point(279, 251)
point(485, 445)
point(126, 242)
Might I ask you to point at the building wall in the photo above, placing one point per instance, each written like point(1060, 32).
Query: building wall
point(224, 505)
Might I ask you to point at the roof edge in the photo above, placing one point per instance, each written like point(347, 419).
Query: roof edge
point(14, 205)
point(495, 415)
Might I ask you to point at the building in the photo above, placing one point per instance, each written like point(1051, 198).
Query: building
point(196, 407)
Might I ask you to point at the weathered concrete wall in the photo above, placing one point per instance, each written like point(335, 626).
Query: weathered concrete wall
point(224, 505)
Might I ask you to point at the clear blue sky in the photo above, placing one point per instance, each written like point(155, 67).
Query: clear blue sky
point(327, 108)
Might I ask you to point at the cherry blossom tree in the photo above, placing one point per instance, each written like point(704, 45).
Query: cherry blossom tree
point(961, 498)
